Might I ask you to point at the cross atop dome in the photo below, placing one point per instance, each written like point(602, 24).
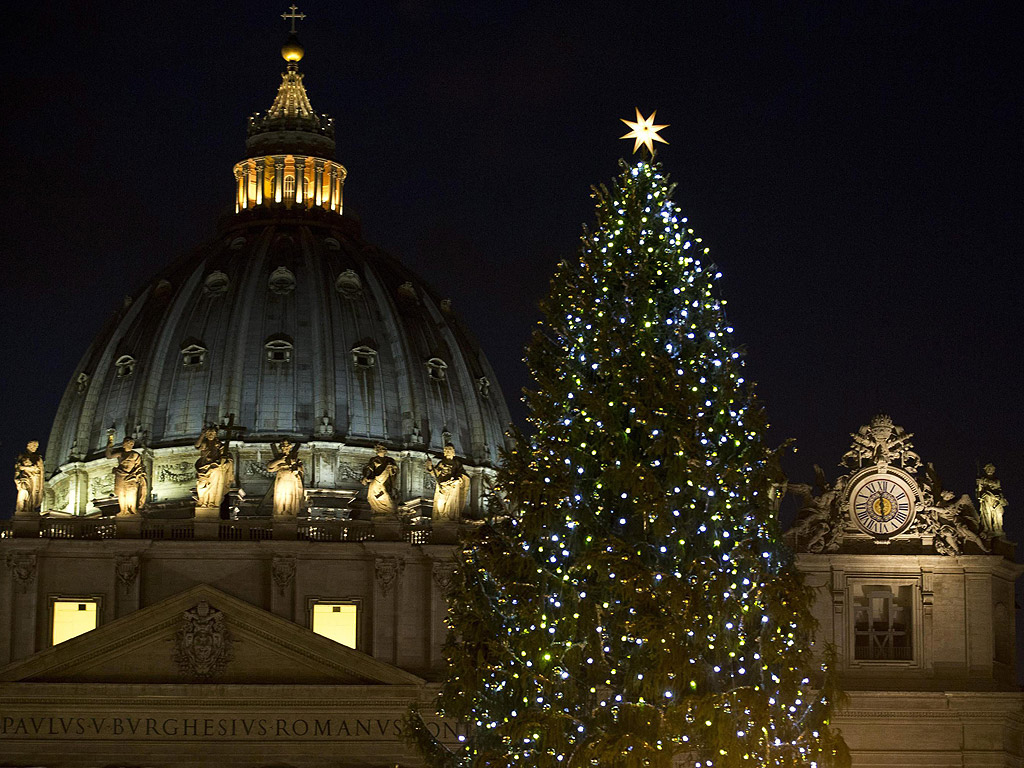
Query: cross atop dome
point(293, 16)
point(292, 51)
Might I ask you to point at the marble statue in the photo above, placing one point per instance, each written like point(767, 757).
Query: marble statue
point(820, 520)
point(28, 479)
point(452, 486)
point(957, 523)
point(379, 475)
point(288, 491)
point(131, 486)
point(991, 501)
point(951, 523)
point(215, 469)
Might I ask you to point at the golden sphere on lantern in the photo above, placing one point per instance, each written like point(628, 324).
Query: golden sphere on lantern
point(292, 51)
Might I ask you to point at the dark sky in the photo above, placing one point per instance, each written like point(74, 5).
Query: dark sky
point(855, 168)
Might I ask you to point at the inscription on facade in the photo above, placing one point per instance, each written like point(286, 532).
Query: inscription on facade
point(14, 726)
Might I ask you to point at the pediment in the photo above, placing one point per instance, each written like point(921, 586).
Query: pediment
point(203, 635)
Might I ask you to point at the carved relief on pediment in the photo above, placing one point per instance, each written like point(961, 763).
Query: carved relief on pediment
point(202, 644)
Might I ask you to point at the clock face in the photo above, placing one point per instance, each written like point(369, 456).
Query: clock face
point(882, 504)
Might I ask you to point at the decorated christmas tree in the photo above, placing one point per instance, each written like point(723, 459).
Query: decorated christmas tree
point(630, 603)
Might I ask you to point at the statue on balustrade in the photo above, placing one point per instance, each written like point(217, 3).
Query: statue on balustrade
point(131, 486)
point(288, 491)
point(452, 486)
point(991, 501)
point(215, 469)
point(28, 479)
point(379, 477)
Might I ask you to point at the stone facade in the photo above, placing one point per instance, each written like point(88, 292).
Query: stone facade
point(205, 648)
point(917, 598)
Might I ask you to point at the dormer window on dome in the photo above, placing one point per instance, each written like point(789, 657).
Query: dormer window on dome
point(282, 281)
point(124, 366)
point(216, 283)
point(364, 356)
point(348, 284)
point(279, 349)
point(437, 369)
point(193, 354)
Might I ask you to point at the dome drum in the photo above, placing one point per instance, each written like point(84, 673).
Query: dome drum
point(333, 483)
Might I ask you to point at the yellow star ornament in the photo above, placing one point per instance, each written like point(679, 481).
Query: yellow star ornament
point(644, 132)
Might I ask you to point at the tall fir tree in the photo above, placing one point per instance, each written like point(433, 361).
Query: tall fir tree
point(633, 605)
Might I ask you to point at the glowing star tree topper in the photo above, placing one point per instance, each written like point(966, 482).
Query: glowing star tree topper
point(644, 132)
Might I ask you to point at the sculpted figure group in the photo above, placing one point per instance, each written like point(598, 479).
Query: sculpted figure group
point(215, 475)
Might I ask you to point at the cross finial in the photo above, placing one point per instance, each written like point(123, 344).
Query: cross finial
point(293, 16)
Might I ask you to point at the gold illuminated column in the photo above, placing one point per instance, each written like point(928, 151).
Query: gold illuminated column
point(278, 178)
point(260, 176)
point(300, 179)
point(318, 175)
point(238, 194)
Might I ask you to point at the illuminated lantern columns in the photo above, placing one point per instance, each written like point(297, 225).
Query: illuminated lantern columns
point(289, 180)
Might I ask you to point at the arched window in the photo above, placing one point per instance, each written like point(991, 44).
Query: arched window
point(289, 187)
point(125, 366)
point(437, 369)
point(279, 349)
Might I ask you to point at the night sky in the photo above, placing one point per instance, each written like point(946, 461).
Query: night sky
point(854, 167)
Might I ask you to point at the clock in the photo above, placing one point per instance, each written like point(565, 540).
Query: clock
point(882, 503)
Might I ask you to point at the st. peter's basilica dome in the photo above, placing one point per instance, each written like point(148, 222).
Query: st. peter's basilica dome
point(288, 324)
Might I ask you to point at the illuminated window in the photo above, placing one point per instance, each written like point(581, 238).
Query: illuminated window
point(289, 186)
point(72, 618)
point(336, 621)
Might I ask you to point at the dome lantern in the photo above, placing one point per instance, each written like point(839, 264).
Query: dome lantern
point(290, 148)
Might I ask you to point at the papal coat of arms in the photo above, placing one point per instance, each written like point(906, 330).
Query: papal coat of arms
point(202, 646)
